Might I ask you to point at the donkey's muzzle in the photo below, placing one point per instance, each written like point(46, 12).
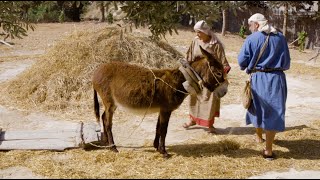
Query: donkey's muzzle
point(222, 89)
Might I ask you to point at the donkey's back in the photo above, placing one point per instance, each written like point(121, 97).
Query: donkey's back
point(123, 84)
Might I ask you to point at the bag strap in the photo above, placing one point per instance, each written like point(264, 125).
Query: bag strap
point(262, 50)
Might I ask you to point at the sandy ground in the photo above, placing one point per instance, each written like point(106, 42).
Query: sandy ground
point(302, 108)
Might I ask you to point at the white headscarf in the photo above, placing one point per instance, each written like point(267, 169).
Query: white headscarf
point(203, 27)
point(263, 23)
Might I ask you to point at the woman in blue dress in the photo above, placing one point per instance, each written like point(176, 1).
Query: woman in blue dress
point(268, 80)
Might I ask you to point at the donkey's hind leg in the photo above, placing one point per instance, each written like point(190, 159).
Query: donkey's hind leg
point(104, 137)
point(107, 123)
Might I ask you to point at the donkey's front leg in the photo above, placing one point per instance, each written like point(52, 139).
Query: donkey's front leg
point(156, 139)
point(164, 121)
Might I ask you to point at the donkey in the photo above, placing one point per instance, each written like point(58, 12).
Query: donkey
point(138, 88)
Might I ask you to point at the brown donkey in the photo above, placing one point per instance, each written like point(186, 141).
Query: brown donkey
point(138, 88)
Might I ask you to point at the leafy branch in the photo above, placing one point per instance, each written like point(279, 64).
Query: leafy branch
point(12, 22)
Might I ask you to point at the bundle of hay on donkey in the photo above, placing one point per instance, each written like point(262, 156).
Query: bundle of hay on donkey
point(60, 83)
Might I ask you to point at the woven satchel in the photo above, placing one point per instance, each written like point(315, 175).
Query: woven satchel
point(246, 95)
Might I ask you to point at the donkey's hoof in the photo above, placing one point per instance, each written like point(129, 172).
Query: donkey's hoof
point(156, 145)
point(114, 149)
point(166, 156)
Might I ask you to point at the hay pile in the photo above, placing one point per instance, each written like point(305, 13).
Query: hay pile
point(61, 81)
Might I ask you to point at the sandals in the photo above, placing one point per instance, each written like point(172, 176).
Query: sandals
point(187, 125)
point(192, 123)
point(212, 130)
point(267, 157)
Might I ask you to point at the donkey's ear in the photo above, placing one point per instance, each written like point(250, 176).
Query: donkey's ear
point(205, 53)
point(210, 58)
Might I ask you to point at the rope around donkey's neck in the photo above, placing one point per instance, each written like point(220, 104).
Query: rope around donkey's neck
point(156, 78)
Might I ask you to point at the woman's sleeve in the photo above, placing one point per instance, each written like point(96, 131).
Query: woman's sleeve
point(190, 52)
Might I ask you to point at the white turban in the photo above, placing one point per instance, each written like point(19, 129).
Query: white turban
point(203, 27)
point(263, 23)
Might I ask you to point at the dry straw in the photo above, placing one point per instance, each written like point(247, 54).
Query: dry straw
point(61, 80)
point(222, 156)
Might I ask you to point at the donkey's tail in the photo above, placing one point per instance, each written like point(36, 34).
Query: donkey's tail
point(96, 105)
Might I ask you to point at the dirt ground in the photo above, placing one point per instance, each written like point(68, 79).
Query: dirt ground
point(303, 102)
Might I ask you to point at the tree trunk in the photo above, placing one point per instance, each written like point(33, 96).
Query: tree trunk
point(103, 18)
point(285, 18)
point(223, 31)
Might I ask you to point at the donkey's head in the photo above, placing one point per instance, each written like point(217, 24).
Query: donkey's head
point(210, 70)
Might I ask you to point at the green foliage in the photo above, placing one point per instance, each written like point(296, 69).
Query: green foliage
point(302, 40)
point(110, 18)
point(316, 16)
point(107, 4)
point(61, 17)
point(13, 23)
point(232, 6)
point(242, 31)
point(47, 11)
point(255, 4)
point(51, 11)
point(295, 5)
point(164, 16)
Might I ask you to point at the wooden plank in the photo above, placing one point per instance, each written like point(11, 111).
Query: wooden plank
point(41, 134)
point(90, 133)
point(6, 43)
point(39, 144)
point(78, 137)
point(55, 139)
point(90, 136)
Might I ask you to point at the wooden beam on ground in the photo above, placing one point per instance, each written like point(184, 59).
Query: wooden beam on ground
point(317, 54)
point(54, 139)
point(2, 41)
point(293, 42)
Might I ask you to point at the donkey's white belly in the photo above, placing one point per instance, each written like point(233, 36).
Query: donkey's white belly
point(138, 111)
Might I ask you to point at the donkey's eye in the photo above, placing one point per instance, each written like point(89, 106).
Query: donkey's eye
point(218, 74)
